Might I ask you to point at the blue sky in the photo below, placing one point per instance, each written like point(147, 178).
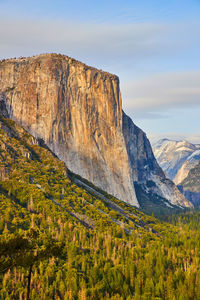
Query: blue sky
point(153, 46)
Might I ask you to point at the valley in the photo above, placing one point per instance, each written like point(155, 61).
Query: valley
point(89, 245)
point(86, 211)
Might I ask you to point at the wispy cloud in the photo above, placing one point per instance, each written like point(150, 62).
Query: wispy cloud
point(156, 95)
point(104, 42)
point(91, 39)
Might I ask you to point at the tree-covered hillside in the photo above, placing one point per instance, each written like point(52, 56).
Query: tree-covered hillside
point(62, 238)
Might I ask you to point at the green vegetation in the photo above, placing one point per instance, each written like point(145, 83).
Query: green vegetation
point(62, 238)
point(26, 251)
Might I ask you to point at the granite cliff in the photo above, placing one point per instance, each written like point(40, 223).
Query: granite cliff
point(145, 171)
point(77, 111)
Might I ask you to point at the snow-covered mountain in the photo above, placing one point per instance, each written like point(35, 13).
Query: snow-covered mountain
point(176, 158)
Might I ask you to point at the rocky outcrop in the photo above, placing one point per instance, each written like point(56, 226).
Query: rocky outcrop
point(77, 111)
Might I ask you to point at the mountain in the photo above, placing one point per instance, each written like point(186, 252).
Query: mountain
point(77, 111)
point(192, 181)
point(61, 237)
point(190, 186)
point(176, 158)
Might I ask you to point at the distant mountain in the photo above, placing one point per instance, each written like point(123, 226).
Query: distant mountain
point(176, 158)
point(192, 181)
point(190, 186)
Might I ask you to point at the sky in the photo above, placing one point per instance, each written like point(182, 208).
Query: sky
point(153, 46)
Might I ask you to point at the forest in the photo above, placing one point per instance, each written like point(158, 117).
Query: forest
point(62, 240)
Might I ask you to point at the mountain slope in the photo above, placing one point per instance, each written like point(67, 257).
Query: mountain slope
point(38, 192)
point(77, 111)
point(105, 248)
point(31, 177)
point(176, 158)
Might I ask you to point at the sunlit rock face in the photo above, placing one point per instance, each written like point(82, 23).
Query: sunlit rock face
point(77, 111)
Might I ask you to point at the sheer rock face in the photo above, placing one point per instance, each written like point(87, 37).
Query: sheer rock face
point(77, 111)
point(144, 167)
point(140, 152)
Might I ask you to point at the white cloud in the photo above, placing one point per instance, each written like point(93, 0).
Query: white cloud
point(159, 93)
point(104, 42)
point(90, 39)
